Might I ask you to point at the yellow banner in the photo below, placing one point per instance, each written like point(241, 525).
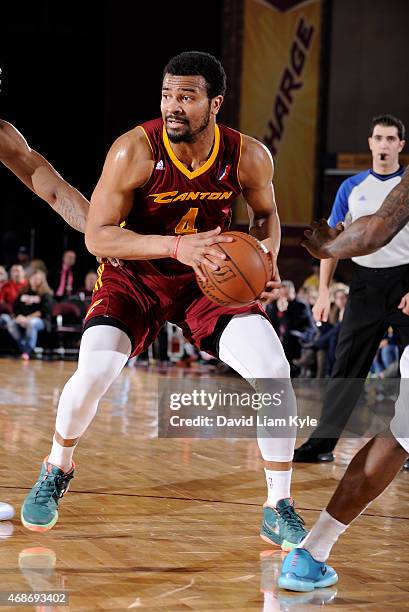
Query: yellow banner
point(279, 96)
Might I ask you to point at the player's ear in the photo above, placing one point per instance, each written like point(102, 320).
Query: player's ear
point(401, 145)
point(216, 104)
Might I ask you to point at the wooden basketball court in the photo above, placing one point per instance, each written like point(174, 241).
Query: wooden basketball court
point(173, 524)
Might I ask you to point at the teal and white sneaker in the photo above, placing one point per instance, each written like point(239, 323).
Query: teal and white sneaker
point(40, 507)
point(301, 572)
point(282, 526)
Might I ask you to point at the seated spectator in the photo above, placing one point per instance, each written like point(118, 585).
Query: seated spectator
point(3, 277)
point(36, 264)
point(10, 290)
point(64, 280)
point(339, 304)
point(89, 283)
point(319, 354)
point(386, 362)
point(328, 339)
point(83, 297)
point(308, 295)
point(313, 281)
point(31, 313)
point(23, 258)
point(292, 320)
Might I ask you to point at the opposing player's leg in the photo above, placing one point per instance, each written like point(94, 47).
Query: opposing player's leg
point(104, 351)
point(367, 476)
point(250, 346)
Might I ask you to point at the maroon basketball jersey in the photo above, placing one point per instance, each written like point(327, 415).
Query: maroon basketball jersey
point(178, 201)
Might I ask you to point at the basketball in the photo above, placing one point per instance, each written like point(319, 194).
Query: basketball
point(243, 275)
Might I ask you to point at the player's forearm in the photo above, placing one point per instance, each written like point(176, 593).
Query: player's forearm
point(327, 269)
point(113, 241)
point(366, 235)
point(370, 233)
point(71, 205)
point(39, 176)
point(67, 201)
point(267, 229)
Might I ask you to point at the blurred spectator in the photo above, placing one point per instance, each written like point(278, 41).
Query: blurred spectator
point(328, 339)
point(313, 281)
point(319, 355)
point(84, 296)
point(3, 276)
point(308, 295)
point(64, 280)
point(292, 320)
point(386, 362)
point(23, 257)
point(10, 290)
point(36, 264)
point(89, 283)
point(32, 313)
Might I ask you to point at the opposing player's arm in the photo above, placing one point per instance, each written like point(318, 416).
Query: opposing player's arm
point(39, 176)
point(256, 177)
point(366, 234)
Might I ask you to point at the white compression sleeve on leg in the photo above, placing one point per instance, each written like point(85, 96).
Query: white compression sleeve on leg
point(399, 425)
point(104, 352)
point(250, 346)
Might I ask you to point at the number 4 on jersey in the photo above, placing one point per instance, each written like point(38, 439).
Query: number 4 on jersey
point(187, 223)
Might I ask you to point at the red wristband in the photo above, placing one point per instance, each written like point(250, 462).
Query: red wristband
point(175, 250)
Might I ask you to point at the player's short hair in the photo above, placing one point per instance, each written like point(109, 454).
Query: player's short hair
point(192, 63)
point(388, 121)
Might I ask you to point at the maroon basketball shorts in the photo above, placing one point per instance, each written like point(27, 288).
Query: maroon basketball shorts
point(139, 299)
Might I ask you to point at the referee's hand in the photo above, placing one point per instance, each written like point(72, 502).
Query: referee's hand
point(321, 308)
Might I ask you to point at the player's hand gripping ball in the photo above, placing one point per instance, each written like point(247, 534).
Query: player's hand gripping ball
point(242, 276)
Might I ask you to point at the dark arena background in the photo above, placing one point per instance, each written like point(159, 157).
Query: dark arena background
point(162, 520)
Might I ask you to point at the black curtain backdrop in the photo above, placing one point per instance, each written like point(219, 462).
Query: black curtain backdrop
point(75, 76)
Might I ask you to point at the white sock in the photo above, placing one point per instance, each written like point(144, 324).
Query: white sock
point(323, 536)
point(61, 456)
point(278, 485)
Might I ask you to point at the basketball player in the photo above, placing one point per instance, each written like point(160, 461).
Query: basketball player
point(376, 464)
point(173, 181)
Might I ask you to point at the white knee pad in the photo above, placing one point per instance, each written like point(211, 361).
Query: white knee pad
point(399, 425)
point(404, 363)
point(250, 345)
point(104, 352)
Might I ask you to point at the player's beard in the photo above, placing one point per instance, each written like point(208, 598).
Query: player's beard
point(188, 135)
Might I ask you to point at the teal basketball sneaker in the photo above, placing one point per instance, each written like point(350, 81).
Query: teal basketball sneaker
point(282, 526)
point(40, 507)
point(301, 572)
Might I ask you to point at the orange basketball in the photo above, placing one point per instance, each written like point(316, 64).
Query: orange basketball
point(243, 275)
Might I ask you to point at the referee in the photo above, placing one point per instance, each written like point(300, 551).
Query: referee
point(379, 289)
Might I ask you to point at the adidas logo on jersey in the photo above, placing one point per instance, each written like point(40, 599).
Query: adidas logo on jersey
point(159, 165)
point(362, 199)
